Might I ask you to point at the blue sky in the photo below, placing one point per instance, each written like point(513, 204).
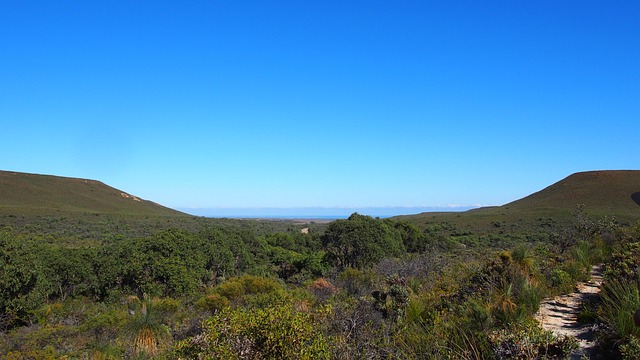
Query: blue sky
point(236, 104)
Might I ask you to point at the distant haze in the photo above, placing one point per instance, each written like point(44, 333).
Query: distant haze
point(318, 212)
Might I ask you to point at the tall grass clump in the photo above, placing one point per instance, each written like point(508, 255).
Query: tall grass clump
point(620, 299)
point(587, 254)
point(431, 331)
point(146, 331)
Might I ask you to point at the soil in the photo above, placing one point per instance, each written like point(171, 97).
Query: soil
point(560, 314)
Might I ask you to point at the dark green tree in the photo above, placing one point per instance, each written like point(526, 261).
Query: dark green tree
point(413, 239)
point(225, 252)
point(360, 241)
point(168, 263)
point(69, 271)
point(22, 285)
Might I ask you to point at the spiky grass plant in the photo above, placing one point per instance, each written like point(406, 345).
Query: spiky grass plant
point(146, 331)
point(523, 257)
point(585, 254)
point(620, 300)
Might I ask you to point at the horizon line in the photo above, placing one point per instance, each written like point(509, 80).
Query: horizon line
point(319, 212)
point(451, 206)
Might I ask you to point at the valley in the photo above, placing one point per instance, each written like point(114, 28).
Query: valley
point(90, 271)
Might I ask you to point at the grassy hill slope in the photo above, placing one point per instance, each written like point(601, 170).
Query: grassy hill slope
point(31, 194)
point(607, 192)
point(602, 193)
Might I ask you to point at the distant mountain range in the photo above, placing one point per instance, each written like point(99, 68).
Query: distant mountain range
point(31, 194)
point(610, 192)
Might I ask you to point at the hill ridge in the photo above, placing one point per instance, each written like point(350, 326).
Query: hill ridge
point(599, 190)
point(27, 193)
point(602, 192)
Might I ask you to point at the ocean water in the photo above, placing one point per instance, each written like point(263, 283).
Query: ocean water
point(317, 213)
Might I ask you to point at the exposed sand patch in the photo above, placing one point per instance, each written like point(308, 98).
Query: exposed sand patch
point(127, 196)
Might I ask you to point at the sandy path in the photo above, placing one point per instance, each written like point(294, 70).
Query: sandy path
point(560, 313)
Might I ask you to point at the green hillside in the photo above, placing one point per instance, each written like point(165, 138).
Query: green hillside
point(85, 272)
point(31, 194)
point(601, 192)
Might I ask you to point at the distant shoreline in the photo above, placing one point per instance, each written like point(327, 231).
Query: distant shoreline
point(294, 220)
point(317, 213)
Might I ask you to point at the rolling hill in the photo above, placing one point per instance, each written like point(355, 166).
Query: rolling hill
point(607, 192)
point(602, 192)
point(32, 194)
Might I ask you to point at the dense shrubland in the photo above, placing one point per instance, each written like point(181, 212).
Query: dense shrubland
point(355, 288)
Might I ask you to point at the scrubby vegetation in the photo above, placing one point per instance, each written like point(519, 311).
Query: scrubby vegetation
point(355, 288)
point(618, 311)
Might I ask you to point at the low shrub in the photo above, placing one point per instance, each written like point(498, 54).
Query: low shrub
point(630, 350)
point(213, 303)
point(530, 341)
point(279, 332)
point(561, 280)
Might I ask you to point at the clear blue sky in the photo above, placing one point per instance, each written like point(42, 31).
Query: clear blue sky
point(320, 103)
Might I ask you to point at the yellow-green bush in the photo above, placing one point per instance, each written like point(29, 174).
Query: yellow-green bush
point(278, 332)
point(213, 302)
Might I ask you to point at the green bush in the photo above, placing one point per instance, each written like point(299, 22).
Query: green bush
point(620, 297)
point(530, 341)
point(23, 286)
point(213, 303)
point(231, 289)
point(356, 282)
point(360, 241)
point(620, 300)
point(625, 263)
point(561, 280)
point(630, 350)
point(246, 290)
point(279, 332)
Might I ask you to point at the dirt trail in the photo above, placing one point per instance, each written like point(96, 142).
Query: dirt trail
point(560, 313)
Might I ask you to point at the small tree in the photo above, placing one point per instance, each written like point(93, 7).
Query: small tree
point(360, 241)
